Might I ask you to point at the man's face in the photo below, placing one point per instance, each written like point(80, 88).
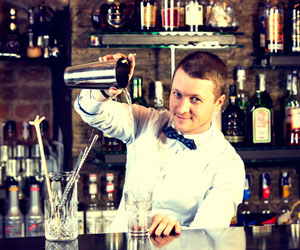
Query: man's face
point(192, 103)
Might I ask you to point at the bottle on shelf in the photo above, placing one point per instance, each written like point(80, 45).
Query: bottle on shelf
point(14, 219)
point(137, 91)
point(10, 137)
point(262, 11)
point(284, 206)
point(32, 51)
point(93, 217)
point(274, 27)
point(159, 96)
point(233, 120)
point(109, 210)
point(266, 214)
point(12, 44)
point(292, 113)
point(246, 214)
point(296, 27)
point(34, 219)
point(194, 15)
point(41, 30)
point(242, 94)
point(25, 143)
point(148, 15)
point(170, 15)
point(260, 116)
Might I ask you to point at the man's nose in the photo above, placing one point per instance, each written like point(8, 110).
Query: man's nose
point(183, 106)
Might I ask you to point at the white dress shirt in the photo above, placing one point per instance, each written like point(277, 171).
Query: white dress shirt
point(199, 188)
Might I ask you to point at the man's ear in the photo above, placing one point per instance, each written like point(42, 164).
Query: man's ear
point(220, 101)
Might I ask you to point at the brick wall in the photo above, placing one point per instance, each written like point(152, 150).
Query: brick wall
point(154, 64)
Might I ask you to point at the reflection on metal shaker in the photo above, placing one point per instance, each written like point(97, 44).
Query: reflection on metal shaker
point(98, 75)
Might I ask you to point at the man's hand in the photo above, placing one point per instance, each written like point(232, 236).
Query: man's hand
point(113, 91)
point(162, 225)
point(162, 241)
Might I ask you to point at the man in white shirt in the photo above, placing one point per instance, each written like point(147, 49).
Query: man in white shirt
point(198, 180)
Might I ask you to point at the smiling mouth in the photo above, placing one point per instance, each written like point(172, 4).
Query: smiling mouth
point(182, 117)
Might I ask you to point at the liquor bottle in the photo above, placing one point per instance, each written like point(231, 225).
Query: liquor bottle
point(14, 219)
point(113, 16)
point(12, 38)
point(266, 214)
point(262, 11)
point(260, 116)
point(246, 215)
point(292, 113)
point(194, 15)
point(296, 27)
point(10, 137)
point(159, 96)
point(93, 215)
point(26, 140)
point(137, 91)
point(34, 219)
point(148, 15)
point(109, 210)
point(284, 206)
point(233, 120)
point(274, 27)
point(132, 13)
point(41, 29)
point(170, 15)
point(242, 94)
point(32, 50)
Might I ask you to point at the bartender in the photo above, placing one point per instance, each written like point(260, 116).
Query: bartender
point(196, 176)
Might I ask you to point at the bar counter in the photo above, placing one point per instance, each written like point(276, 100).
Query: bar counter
point(234, 238)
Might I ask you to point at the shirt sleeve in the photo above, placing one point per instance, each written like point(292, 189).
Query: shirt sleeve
point(220, 203)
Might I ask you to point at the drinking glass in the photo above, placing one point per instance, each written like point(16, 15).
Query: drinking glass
point(138, 207)
point(61, 222)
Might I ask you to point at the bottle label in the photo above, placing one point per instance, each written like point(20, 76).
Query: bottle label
point(266, 190)
point(35, 227)
point(93, 188)
point(261, 125)
point(94, 222)
point(274, 30)
point(170, 17)
point(295, 118)
point(194, 14)
point(148, 15)
point(296, 31)
point(80, 217)
point(110, 188)
point(14, 228)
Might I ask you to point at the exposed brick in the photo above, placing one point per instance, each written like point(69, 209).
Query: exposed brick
point(8, 94)
point(35, 92)
point(27, 110)
point(3, 111)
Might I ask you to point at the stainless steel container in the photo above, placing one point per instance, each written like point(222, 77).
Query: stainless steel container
point(98, 75)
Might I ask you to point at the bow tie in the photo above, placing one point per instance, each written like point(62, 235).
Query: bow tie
point(172, 134)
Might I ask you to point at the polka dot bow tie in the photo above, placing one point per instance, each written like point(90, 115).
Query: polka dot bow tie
point(172, 134)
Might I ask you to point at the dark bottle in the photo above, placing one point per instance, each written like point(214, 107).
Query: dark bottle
point(194, 15)
point(147, 15)
point(32, 50)
point(266, 214)
point(233, 120)
point(14, 219)
point(242, 94)
point(284, 206)
point(262, 12)
point(137, 91)
point(296, 27)
point(34, 219)
point(10, 138)
point(246, 215)
point(12, 39)
point(292, 113)
point(260, 116)
point(113, 16)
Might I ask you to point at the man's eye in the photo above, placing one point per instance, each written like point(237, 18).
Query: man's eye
point(195, 99)
point(177, 94)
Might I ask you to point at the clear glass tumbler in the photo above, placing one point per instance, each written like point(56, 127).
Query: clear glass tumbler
point(138, 207)
point(61, 222)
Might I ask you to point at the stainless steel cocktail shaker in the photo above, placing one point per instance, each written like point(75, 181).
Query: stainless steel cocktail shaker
point(98, 75)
